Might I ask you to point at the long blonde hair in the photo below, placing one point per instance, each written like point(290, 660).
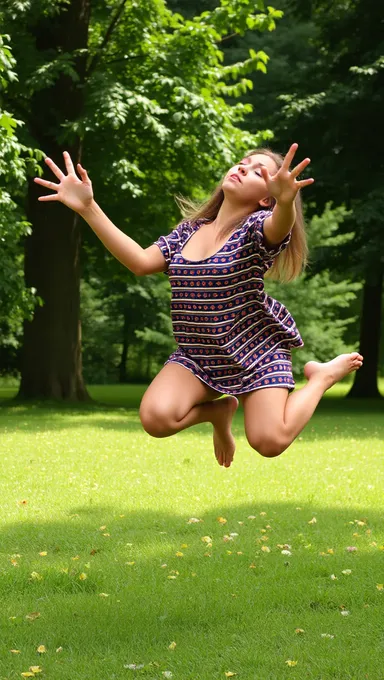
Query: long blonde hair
point(291, 262)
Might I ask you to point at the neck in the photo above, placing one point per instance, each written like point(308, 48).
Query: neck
point(231, 213)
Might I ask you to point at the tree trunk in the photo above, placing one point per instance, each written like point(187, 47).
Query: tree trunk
point(365, 383)
point(123, 377)
point(51, 358)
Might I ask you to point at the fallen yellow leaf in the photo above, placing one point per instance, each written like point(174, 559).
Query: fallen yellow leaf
point(41, 649)
point(43, 553)
point(28, 674)
point(172, 645)
point(35, 669)
point(206, 539)
point(289, 662)
point(229, 674)
point(32, 616)
point(222, 520)
point(380, 586)
point(15, 651)
point(83, 576)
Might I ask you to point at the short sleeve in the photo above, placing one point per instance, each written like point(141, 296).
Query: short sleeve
point(170, 244)
point(256, 230)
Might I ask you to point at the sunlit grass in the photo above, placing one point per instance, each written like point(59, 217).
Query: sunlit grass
point(110, 507)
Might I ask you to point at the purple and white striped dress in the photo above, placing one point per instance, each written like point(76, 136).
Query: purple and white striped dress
point(230, 333)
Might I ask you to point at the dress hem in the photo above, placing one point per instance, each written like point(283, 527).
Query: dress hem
point(290, 388)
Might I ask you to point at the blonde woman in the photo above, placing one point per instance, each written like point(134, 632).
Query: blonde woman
point(232, 338)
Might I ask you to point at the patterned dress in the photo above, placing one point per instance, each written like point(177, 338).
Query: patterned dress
point(230, 333)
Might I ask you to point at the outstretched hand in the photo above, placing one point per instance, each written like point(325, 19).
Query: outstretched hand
point(283, 185)
point(75, 193)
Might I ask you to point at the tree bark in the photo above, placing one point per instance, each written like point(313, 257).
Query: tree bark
point(123, 377)
point(365, 382)
point(51, 366)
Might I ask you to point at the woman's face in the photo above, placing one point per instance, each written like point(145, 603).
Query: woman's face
point(244, 182)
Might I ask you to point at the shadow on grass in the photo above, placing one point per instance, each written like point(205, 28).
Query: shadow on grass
point(333, 419)
point(236, 610)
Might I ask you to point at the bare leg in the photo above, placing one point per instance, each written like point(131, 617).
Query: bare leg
point(273, 419)
point(176, 399)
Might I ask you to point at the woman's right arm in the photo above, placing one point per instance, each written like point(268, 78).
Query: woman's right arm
point(138, 260)
point(77, 194)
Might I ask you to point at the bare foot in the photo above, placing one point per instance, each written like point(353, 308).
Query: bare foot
point(223, 440)
point(333, 371)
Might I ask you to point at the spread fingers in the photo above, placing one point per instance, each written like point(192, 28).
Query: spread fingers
point(47, 184)
point(55, 169)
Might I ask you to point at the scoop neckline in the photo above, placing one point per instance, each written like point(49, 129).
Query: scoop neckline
point(205, 259)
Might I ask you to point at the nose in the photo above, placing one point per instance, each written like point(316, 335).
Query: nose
point(242, 170)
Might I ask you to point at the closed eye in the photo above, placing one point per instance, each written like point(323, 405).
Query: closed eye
point(257, 172)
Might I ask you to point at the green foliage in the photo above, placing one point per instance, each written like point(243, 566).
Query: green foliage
point(155, 121)
point(100, 335)
point(320, 302)
point(134, 310)
point(17, 161)
point(324, 90)
point(158, 112)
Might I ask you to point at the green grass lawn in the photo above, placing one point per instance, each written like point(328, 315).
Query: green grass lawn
point(101, 564)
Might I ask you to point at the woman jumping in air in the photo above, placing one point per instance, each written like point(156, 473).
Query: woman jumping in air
point(232, 338)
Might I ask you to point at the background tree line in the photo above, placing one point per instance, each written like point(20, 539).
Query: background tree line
point(158, 99)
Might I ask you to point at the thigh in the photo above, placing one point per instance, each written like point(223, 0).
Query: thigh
point(174, 391)
point(264, 413)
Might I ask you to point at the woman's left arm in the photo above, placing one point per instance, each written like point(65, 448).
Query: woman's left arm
point(283, 186)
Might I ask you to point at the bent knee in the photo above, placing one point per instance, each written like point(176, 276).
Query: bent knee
point(268, 446)
point(155, 420)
